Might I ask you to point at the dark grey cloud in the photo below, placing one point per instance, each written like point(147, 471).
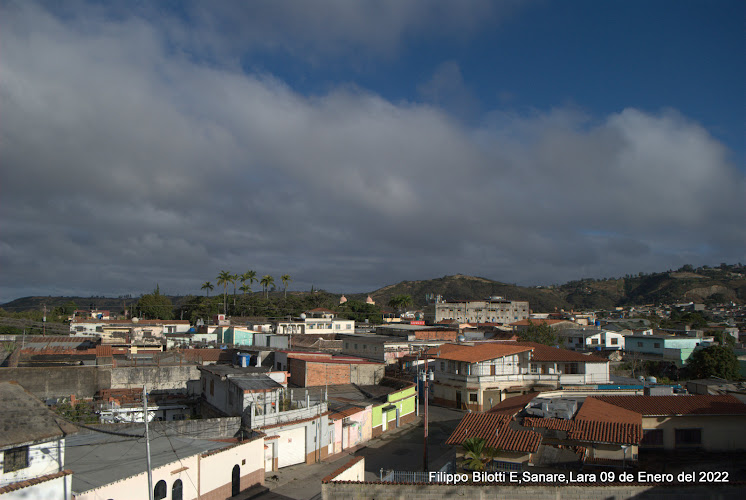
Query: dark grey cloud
point(125, 164)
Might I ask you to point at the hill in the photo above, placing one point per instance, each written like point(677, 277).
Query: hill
point(705, 284)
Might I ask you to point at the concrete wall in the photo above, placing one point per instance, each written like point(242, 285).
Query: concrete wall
point(209, 428)
point(60, 381)
point(344, 491)
point(155, 377)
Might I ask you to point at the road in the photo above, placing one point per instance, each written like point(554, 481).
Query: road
point(399, 449)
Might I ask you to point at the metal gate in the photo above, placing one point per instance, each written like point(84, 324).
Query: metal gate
point(291, 447)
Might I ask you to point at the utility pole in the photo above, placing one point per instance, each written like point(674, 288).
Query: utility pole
point(44, 322)
point(147, 441)
point(426, 377)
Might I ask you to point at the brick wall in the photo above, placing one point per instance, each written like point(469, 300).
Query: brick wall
point(327, 373)
point(345, 490)
point(436, 335)
point(297, 369)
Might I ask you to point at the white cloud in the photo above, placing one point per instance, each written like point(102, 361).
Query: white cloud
point(124, 166)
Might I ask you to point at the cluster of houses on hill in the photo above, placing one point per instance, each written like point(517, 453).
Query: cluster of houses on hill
point(231, 403)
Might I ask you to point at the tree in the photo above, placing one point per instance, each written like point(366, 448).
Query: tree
point(477, 454)
point(285, 280)
point(713, 361)
point(400, 302)
point(244, 288)
point(724, 339)
point(223, 279)
point(540, 333)
point(155, 306)
point(249, 276)
point(207, 286)
point(234, 278)
point(267, 281)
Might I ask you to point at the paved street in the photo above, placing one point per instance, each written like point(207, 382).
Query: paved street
point(400, 449)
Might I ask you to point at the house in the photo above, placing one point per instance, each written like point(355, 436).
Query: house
point(384, 348)
point(392, 403)
point(182, 467)
point(475, 376)
point(350, 425)
point(126, 405)
point(323, 322)
point(495, 309)
point(32, 447)
point(138, 327)
point(582, 339)
point(316, 369)
point(297, 430)
point(235, 335)
point(687, 422)
point(670, 347)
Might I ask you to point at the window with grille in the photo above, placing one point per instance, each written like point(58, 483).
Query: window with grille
point(15, 459)
point(688, 437)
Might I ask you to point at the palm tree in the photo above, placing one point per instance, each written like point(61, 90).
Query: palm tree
point(249, 276)
point(266, 282)
point(234, 278)
point(285, 280)
point(244, 288)
point(207, 286)
point(474, 449)
point(223, 279)
point(400, 302)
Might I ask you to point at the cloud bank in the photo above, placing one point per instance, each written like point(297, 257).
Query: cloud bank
point(126, 162)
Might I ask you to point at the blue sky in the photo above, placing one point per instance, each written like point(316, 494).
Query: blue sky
point(357, 144)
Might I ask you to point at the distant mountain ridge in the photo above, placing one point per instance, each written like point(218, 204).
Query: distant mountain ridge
point(705, 284)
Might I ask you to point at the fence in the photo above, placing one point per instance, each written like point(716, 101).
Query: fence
point(401, 476)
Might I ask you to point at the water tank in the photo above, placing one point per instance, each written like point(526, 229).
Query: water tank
point(461, 338)
point(641, 378)
point(598, 322)
point(652, 380)
point(302, 315)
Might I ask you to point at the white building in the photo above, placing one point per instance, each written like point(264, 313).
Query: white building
point(32, 447)
point(580, 339)
point(493, 310)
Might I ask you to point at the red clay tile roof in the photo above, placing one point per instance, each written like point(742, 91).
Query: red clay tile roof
point(589, 430)
point(601, 411)
point(495, 430)
point(339, 471)
point(476, 353)
point(104, 351)
point(513, 405)
point(33, 481)
point(336, 415)
point(557, 424)
point(545, 353)
point(678, 405)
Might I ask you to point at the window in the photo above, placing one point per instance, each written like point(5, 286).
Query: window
point(347, 345)
point(356, 347)
point(534, 368)
point(594, 341)
point(159, 492)
point(472, 397)
point(571, 368)
point(639, 344)
point(442, 366)
point(310, 326)
point(657, 345)
point(15, 459)
point(348, 326)
point(365, 346)
point(614, 341)
point(176, 490)
point(652, 437)
point(337, 326)
point(688, 437)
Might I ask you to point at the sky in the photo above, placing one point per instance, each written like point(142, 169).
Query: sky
point(354, 145)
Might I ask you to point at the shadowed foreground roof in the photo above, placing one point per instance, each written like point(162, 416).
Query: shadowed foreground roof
point(25, 419)
point(495, 430)
point(513, 405)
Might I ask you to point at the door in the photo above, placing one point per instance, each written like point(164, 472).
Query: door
point(268, 459)
point(458, 399)
point(384, 420)
point(236, 480)
point(291, 447)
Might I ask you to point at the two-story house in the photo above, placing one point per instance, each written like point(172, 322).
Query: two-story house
point(479, 375)
point(582, 339)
